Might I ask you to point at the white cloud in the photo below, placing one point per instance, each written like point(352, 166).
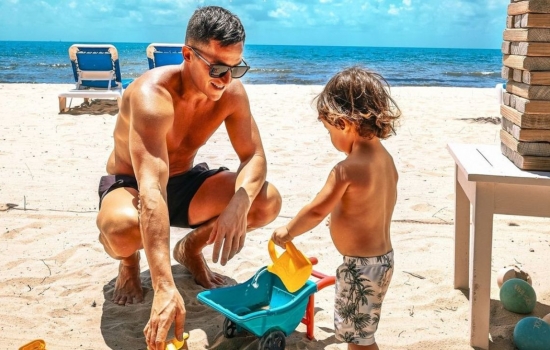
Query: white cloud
point(45, 4)
point(161, 12)
point(396, 10)
point(136, 16)
point(332, 18)
point(286, 9)
point(282, 11)
point(279, 13)
point(393, 10)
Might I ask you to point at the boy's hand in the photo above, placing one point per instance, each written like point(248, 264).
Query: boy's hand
point(281, 236)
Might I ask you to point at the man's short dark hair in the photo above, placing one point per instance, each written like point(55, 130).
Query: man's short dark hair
point(214, 23)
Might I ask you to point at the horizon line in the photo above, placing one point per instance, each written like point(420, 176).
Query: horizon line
point(255, 44)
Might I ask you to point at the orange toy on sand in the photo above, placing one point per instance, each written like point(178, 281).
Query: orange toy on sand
point(37, 344)
point(512, 271)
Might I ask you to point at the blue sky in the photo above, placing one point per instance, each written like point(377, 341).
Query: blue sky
point(391, 23)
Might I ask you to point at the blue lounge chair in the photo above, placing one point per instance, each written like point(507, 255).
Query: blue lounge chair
point(159, 55)
point(96, 71)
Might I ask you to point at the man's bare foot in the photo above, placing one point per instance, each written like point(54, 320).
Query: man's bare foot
point(128, 283)
point(191, 257)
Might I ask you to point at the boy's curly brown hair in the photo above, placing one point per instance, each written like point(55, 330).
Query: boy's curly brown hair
point(362, 98)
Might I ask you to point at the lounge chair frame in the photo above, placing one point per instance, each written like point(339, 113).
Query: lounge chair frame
point(162, 54)
point(90, 80)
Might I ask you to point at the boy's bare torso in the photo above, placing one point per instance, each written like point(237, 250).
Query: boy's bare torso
point(360, 222)
point(193, 122)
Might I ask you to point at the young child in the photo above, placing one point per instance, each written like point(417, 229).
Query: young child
point(360, 195)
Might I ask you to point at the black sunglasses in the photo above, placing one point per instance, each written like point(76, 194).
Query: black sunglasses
point(219, 70)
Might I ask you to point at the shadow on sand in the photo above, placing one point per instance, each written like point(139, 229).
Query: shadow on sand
point(499, 323)
point(122, 326)
point(94, 107)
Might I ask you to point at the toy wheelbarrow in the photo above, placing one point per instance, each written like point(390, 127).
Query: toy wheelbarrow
point(265, 307)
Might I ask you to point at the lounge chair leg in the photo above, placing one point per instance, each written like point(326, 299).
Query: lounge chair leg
point(62, 104)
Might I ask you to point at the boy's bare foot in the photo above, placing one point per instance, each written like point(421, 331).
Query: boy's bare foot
point(190, 256)
point(128, 283)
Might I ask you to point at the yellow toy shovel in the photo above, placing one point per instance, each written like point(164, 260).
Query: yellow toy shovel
point(175, 344)
point(292, 267)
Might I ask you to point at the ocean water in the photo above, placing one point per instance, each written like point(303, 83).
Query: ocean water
point(48, 62)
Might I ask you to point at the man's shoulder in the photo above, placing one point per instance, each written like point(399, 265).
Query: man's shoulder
point(235, 96)
point(157, 81)
point(236, 89)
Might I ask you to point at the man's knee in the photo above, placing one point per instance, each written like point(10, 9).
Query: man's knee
point(266, 206)
point(119, 231)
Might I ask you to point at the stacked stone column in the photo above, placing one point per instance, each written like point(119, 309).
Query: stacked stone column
point(525, 109)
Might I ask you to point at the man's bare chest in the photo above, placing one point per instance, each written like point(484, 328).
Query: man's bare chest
point(190, 132)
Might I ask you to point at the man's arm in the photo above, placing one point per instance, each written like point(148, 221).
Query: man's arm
point(244, 135)
point(150, 121)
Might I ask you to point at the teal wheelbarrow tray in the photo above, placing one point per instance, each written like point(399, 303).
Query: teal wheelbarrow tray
point(264, 307)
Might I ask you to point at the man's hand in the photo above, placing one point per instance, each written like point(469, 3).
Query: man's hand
point(230, 230)
point(281, 236)
point(168, 307)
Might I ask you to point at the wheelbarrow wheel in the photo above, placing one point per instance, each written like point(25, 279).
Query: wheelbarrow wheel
point(229, 328)
point(274, 340)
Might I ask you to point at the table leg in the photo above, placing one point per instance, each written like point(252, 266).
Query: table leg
point(62, 104)
point(481, 241)
point(462, 235)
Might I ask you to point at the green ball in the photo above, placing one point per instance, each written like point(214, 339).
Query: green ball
point(532, 333)
point(518, 296)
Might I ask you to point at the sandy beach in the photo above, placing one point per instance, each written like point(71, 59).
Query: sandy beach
point(57, 280)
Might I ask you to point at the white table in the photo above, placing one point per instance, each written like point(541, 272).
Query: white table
point(492, 184)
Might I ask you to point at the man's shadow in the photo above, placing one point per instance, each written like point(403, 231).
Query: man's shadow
point(122, 326)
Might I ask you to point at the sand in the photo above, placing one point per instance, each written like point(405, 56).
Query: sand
point(56, 280)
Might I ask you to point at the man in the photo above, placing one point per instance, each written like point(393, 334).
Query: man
point(165, 116)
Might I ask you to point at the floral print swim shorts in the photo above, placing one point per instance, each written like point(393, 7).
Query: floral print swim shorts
point(361, 284)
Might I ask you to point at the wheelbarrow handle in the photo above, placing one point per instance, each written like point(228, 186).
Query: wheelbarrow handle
point(324, 280)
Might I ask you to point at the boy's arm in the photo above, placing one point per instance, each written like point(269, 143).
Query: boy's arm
point(314, 212)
